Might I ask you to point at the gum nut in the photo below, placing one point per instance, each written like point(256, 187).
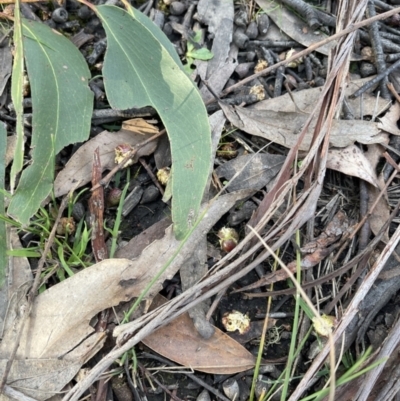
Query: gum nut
point(263, 24)
point(163, 175)
point(240, 39)
point(59, 15)
point(324, 325)
point(120, 152)
point(65, 226)
point(204, 396)
point(231, 389)
point(252, 30)
point(78, 211)
point(113, 197)
point(236, 320)
point(228, 238)
point(241, 19)
point(177, 8)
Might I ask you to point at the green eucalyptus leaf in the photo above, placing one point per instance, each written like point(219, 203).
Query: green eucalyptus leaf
point(62, 106)
point(3, 239)
point(139, 71)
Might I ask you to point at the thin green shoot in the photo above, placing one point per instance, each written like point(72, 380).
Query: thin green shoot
point(262, 340)
point(24, 253)
point(115, 230)
point(349, 375)
point(293, 340)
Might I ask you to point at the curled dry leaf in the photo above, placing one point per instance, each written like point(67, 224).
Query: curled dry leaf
point(140, 126)
point(180, 342)
point(351, 161)
point(283, 128)
point(79, 166)
point(389, 122)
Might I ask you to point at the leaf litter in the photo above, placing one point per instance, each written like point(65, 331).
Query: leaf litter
point(283, 122)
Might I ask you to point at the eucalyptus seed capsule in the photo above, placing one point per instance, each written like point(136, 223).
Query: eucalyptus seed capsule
point(59, 15)
point(252, 30)
point(241, 19)
point(240, 39)
point(263, 24)
point(231, 389)
point(177, 8)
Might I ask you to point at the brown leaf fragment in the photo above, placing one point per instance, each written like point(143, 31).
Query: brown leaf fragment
point(180, 342)
point(333, 231)
point(283, 128)
point(96, 207)
point(352, 161)
point(140, 126)
point(79, 166)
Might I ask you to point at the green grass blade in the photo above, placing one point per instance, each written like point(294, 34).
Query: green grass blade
point(140, 71)
point(17, 80)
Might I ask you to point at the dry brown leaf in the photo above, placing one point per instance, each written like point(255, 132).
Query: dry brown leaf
point(389, 122)
point(351, 161)
point(79, 166)
point(306, 99)
point(140, 126)
point(283, 128)
point(59, 325)
point(180, 342)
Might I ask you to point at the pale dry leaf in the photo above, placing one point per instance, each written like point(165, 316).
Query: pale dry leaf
point(180, 342)
point(79, 166)
point(351, 161)
point(381, 212)
point(283, 128)
point(391, 120)
point(140, 126)
point(254, 171)
point(306, 99)
point(18, 280)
